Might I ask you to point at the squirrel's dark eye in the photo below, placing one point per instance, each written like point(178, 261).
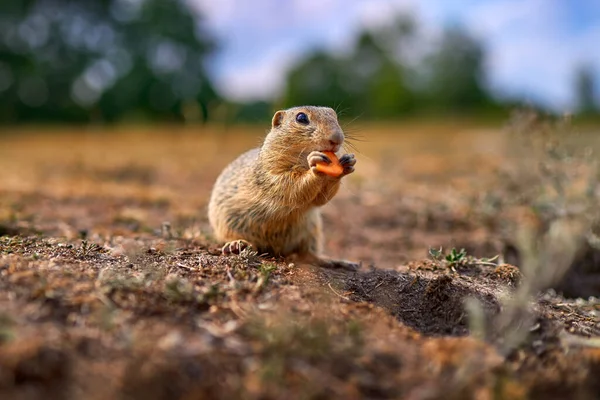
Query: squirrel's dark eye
point(302, 118)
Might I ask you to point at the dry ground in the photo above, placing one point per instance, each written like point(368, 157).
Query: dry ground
point(111, 285)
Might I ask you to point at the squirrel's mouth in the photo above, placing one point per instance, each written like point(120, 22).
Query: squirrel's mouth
point(332, 148)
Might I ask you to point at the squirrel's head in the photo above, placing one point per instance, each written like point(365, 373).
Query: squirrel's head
point(305, 129)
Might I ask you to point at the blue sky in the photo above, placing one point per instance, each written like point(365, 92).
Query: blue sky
point(533, 46)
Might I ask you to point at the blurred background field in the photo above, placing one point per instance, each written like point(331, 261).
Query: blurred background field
point(173, 168)
point(198, 61)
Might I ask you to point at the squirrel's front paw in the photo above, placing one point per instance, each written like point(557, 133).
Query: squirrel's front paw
point(316, 157)
point(348, 161)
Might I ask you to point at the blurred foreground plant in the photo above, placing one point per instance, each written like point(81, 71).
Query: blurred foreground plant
point(547, 194)
point(546, 199)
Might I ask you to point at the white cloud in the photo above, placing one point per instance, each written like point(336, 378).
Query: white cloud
point(531, 50)
point(256, 81)
point(500, 16)
point(380, 12)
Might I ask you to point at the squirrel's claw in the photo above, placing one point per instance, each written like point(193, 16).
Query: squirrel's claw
point(348, 161)
point(316, 157)
point(235, 247)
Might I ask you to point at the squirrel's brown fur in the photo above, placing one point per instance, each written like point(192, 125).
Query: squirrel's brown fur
point(269, 197)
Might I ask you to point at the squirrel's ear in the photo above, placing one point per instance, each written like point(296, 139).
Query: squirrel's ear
point(277, 119)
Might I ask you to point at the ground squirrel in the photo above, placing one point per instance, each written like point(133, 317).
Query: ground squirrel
point(269, 197)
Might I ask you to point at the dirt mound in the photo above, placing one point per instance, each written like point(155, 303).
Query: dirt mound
point(432, 305)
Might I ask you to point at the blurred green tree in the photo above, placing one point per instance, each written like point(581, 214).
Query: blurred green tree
point(454, 74)
point(585, 90)
point(105, 60)
point(369, 81)
point(316, 80)
point(377, 81)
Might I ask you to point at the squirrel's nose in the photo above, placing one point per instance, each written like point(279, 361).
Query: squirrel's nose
point(336, 138)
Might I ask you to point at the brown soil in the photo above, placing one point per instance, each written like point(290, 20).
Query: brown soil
point(112, 287)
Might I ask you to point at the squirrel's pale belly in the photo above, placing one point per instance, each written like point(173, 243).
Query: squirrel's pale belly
point(238, 210)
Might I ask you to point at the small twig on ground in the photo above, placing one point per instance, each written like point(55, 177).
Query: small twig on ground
point(573, 340)
point(231, 278)
point(105, 300)
point(379, 284)
point(180, 265)
point(237, 309)
point(489, 264)
point(339, 295)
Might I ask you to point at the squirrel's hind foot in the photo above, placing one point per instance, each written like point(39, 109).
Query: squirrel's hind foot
point(235, 247)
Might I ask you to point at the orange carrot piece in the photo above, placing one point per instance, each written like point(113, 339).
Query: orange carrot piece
point(334, 169)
